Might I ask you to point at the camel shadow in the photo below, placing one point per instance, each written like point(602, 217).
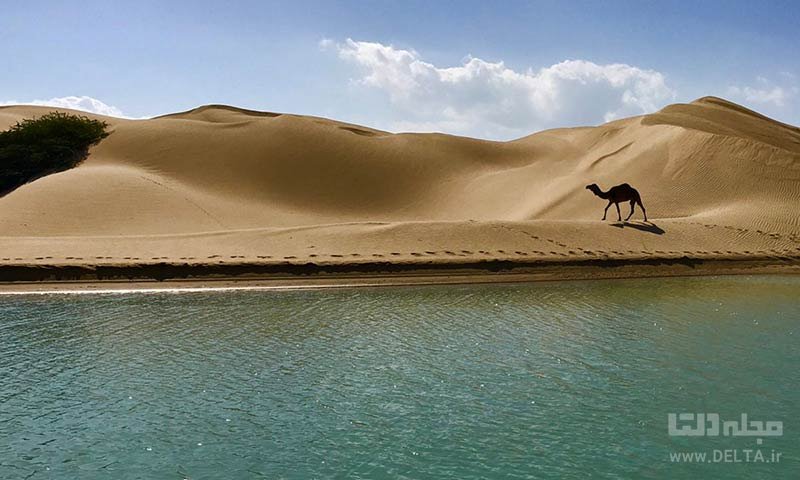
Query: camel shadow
point(649, 227)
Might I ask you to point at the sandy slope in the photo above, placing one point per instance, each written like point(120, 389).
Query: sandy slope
point(221, 184)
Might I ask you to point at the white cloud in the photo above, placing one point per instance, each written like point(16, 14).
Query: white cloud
point(84, 103)
point(765, 92)
point(488, 99)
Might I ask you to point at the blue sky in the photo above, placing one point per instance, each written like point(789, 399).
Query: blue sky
point(488, 69)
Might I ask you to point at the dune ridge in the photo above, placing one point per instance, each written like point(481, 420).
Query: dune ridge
point(220, 184)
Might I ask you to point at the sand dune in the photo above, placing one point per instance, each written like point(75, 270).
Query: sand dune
point(222, 184)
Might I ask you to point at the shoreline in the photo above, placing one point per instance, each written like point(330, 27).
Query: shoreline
point(155, 277)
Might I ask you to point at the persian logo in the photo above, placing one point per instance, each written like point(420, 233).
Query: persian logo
point(709, 425)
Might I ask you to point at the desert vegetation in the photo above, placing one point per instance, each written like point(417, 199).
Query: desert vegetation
point(48, 144)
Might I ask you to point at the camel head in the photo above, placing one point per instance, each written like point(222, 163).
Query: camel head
point(593, 188)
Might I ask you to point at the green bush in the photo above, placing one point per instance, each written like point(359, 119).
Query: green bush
point(51, 143)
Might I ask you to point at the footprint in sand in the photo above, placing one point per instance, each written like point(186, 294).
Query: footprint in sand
point(467, 252)
point(416, 254)
point(355, 254)
point(521, 253)
point(290, 257)
point(377, 255)
point(313, 255)
point(335, 255)
point(452, 253)
point(429, 252)
point(395, 253)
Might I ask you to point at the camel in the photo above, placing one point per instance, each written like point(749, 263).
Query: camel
point(615, 195)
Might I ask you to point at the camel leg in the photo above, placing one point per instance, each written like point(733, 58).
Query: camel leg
point(618, 212)
point(605, 212)
point(643, 210)
point(633, 202)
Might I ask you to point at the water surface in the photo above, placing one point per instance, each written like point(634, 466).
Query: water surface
point(544, 380)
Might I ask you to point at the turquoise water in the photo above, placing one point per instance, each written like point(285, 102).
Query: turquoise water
point(545, 380)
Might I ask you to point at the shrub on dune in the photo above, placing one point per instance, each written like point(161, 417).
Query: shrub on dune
point(34, 148)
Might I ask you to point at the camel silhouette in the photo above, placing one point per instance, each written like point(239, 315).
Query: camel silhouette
point(615, 195)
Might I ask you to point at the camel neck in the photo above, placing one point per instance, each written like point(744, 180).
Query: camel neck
point(601, 193)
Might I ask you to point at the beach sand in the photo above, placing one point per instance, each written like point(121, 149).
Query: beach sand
point(223, 193)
